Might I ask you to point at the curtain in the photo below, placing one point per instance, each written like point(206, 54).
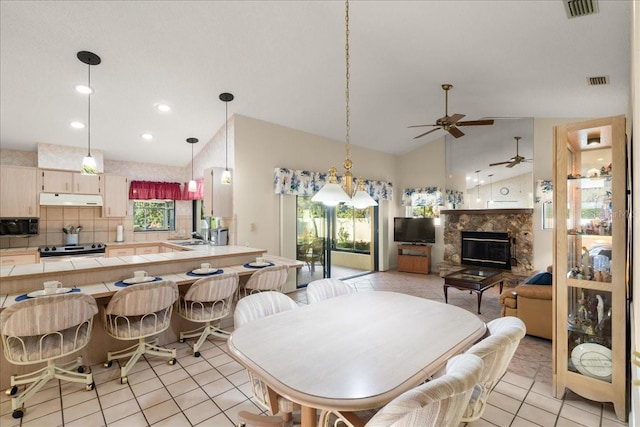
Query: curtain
point(150, 190)
point(196, 195)
point(307, 183)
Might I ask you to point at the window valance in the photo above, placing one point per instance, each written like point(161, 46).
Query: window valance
point(307, 183)
point(425, 196)
point(454, 198)
point(150, 190)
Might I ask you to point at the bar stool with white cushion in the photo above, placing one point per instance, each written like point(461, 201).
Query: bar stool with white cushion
point(322, 289)
point(208, 301)
point(43, 330)
point(140, 312)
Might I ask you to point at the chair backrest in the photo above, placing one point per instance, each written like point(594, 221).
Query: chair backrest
point(39, 316)
point(440, 402)
point(213, 288)
point(143, 298)
point(268, 279)
point(260, 305)
point(496, 351)
point(322, 289)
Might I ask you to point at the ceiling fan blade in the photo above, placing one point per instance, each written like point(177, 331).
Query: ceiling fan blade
point(455, 118)
point(500, 163)
point(457, 133)
point(420, 126)
point(426, 133)
point(475, 123)
point(515, 162)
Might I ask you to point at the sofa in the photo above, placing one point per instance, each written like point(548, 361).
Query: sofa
point(532, 302)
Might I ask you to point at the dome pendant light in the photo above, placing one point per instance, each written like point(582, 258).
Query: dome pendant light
point(332, 193)
point(226, 175)
point(192, 187)
point(88, 162)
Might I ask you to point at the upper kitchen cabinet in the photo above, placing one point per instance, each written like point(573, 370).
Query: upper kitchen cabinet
point(591, 279)
point(54, 181)
point(116, 196)
point(19, 190)
point(217, 197)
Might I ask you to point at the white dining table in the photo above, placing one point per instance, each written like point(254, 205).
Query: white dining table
point(353, 352)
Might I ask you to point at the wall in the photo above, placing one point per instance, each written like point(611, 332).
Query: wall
point(260, 147)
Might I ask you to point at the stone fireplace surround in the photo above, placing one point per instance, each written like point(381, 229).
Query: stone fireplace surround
point(517, 222)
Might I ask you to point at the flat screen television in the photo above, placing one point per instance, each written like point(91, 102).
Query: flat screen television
point(414, 230)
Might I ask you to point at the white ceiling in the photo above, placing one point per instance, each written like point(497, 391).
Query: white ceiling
point(284, 62)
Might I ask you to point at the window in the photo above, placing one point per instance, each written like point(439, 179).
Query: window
point(154, 215)
point(422, 211)
point(352, 229)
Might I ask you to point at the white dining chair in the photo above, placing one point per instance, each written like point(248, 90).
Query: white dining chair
point(140, 312)
point(266, 279)
point(208, 301)
point(436, 403)
point(496, 351)
point(249, 309)
point(47, 329)
point(322, 289)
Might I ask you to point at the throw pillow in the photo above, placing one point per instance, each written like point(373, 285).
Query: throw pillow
point(540, 279)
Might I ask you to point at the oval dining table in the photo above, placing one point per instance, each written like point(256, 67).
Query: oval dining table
point(353, 352)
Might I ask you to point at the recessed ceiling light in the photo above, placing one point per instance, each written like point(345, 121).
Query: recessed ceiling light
point(77, 125)
point(163, 107)
point(84, 89)
point(146, 136)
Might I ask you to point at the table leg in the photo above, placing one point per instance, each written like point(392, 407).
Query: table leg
point(479, 301)
point(308, 417)
point(445, 294)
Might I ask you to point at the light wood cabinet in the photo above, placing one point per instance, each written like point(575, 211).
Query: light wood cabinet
point(590, 275)
point(116, 196)
point(146, 250)
point(414, 258)
point(111, 251)
point(19, 191)
point(54, 181)
point(217, 198)
point(10, 258)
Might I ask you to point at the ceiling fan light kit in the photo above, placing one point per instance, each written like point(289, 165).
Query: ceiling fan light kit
point(451, 123)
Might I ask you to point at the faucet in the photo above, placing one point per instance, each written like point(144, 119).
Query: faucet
point(196, 235)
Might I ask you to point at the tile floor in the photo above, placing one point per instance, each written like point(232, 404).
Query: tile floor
point(210, 390)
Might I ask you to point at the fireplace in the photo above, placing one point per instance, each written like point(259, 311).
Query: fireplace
point(486, 249)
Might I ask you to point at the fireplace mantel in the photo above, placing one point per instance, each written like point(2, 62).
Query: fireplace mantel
point(514, 211)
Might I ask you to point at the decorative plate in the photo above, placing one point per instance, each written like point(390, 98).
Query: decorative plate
point(260, 264)
point(41, 293)
point(592, 360)
point(134, 280)
point(205, 270)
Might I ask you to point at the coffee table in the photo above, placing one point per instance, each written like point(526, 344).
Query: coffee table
point(477, 279)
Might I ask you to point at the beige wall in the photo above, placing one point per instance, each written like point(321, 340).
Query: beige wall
point(259, 148)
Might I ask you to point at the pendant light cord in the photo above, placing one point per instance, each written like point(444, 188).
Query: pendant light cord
point(347, 76)
point(226, 135)
point(89, 113)
point(192, 162)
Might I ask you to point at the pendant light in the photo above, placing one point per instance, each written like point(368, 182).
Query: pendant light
point(332, 193)
point(226, 175)
point(88, 162)
point(192, 187)
point(478, 186)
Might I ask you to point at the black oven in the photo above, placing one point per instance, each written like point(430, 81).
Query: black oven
point(18, 227)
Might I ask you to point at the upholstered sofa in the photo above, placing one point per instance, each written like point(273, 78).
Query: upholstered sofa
point(532, 303)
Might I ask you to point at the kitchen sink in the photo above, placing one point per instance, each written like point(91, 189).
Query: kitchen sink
point(192, 243)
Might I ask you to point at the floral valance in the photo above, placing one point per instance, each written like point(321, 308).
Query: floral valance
point(307, 183)
point(426, 196)
point(544, 191)
point(454, 198)
point(149, 190)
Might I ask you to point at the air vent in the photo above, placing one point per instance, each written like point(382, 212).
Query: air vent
point(597, 81)
point(575, 8)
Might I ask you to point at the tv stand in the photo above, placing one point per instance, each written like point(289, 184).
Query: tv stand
point(414, 258)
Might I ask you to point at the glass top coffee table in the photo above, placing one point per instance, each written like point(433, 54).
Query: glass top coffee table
point(476, 279)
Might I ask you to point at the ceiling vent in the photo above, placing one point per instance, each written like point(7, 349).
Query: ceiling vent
point(597, 81)
point(575, 8)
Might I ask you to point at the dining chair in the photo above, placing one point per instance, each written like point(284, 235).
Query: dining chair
point(496, 351)
point(267, 279)
point(322, 289)
point(44, 330)
point(249, 309)
point(208, 301)
point(140, 312)
point(440, 402)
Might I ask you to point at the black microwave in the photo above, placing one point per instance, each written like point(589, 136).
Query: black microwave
point(18, 227)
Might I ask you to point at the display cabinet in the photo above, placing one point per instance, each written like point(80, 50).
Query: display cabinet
point(590, 280)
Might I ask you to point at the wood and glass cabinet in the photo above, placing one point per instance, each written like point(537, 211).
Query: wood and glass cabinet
point(590, 262)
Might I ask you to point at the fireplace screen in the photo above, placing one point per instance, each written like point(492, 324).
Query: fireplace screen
point(486, 249)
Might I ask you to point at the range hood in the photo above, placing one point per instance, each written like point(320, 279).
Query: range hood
point(57, 199)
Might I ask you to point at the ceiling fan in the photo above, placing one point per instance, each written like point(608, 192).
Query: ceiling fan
point(515, 160)
point(451, 123)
